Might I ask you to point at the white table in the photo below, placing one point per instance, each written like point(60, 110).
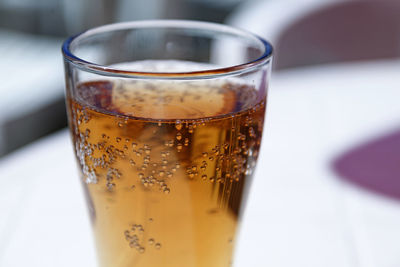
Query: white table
point(299, 213)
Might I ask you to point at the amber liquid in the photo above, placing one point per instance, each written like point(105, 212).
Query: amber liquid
point(165, 166)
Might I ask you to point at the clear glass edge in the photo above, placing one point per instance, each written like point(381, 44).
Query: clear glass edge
point(264, 59)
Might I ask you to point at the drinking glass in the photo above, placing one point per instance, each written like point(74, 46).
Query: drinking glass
point(166, 119)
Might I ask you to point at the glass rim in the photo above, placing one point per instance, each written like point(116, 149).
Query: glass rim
point(183, 24)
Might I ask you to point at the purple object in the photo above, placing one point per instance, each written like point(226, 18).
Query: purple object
point(374, 165)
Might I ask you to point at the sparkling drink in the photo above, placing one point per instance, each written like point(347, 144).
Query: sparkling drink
point(164, 165)
point(166, 119)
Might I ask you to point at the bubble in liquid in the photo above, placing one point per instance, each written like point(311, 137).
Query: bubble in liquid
point(169, 143)
point(103, 136)
point(134, 145)
point(204, 154)
point(132, 162)
point(120, 124)
point(204, 177)
point(151, 241)
point(151, 219)
point(118, 139)
point(110, 186)
point(120, 153)
point(141, 249)
point(251, 132)
point(178, 125)
point(157, 246)
point(166, 190)
point(186, 143)
point(161, 173)
point(212, 179)
point(237, 150)
point(178, 136)
point(179, 146)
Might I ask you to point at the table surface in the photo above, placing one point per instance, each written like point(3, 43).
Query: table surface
point(299, 213)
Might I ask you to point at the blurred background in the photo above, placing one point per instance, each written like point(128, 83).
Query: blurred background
point(331, 149)
point(307, 33)
point(31, 71)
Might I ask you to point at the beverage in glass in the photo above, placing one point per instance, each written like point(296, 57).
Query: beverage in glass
point(166, 119)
